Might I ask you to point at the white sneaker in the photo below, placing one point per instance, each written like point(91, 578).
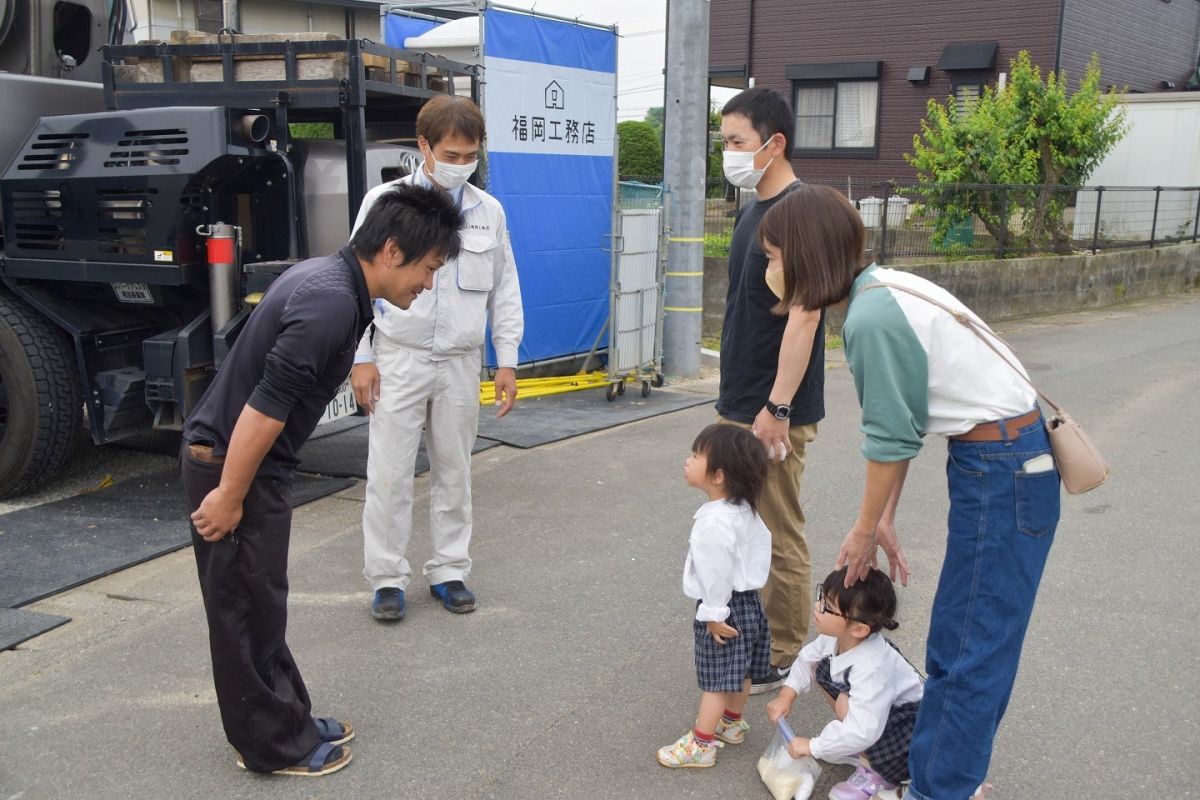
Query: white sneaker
point(687, 752)
point(732, 732)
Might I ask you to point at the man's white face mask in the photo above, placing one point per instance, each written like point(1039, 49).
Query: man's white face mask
point(450, 176)
point(739, 167)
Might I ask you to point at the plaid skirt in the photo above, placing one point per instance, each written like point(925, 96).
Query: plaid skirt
point(889, 755)
point(723, 667)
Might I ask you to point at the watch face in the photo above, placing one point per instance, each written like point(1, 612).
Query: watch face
point(782, 412)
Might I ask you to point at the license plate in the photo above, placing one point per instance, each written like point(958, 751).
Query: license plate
point(342, 405)
point(133, 292)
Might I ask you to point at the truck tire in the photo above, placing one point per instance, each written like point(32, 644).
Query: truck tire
point(40, 401)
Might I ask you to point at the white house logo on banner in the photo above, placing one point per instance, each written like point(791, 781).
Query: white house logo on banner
point(543, 108)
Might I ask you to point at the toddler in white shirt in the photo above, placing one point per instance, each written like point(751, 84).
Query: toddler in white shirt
point(873, 690)
point(729, 557)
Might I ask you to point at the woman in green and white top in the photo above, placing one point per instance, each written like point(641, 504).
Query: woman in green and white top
point(917, 371)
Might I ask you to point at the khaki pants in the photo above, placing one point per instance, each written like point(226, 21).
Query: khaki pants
point(788, 596)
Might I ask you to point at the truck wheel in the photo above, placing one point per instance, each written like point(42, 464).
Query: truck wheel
point(40, 400)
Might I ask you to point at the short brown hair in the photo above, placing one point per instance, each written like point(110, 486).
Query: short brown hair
point(449, 115)
point(820, 238)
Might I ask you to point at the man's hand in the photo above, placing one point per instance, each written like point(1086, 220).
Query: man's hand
point(364, 379)
point(857, 553)
point(720, 631)
point(773, 433)
point(889, 540)
point(799, 748)
point(506, 390)
point(218, 514)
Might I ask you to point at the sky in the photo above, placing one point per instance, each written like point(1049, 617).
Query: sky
point(641, 51)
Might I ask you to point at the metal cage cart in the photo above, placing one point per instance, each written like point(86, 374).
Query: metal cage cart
point(636, 311)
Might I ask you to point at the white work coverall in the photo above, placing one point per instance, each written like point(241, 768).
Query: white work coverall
point(429, 361)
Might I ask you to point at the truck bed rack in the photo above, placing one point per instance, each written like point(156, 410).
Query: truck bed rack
point(369, 84)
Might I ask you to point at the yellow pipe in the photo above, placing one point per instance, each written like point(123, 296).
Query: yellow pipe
point(541, 387)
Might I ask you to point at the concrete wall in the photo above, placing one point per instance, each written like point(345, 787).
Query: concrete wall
point(1025, 287)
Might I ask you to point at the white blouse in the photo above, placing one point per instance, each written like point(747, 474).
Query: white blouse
point(729, 551)
point(880, 678)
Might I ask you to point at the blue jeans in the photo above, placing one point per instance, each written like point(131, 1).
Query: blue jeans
point(1001, 525)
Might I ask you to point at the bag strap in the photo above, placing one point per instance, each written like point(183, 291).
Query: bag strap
point(971, 325)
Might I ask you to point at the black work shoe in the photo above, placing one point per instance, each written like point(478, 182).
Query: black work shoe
point(769, 682)
point(388, 605)
point(455, 596)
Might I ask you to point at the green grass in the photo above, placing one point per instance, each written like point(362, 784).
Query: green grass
point(833, 342)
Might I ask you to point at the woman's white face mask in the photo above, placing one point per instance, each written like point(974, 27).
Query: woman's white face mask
point(739, 167)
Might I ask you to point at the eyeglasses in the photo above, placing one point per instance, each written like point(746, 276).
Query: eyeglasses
point(824, 607)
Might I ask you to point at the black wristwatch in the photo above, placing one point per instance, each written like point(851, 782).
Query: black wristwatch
point(780, 410)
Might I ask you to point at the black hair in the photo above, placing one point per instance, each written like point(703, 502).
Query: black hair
point(421, 220)
point(871, 600)
point(768, 112)
point(739, 455)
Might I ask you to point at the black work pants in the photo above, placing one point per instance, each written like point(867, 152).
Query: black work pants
point(264, 704)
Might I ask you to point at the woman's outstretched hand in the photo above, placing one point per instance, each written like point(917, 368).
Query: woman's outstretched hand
point(858, 553)
point(889, 540)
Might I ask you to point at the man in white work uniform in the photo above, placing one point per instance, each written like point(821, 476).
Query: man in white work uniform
point(420, 369)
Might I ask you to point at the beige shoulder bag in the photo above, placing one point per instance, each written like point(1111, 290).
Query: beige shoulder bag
point(1079, 463)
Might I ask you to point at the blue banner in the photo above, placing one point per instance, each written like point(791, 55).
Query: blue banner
point(551, 119)
point(396, 29)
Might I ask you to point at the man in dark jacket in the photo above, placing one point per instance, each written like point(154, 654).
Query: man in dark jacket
point(239, 452)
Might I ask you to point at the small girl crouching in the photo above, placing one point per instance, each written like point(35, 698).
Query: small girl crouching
point(873, 690)
point(729, 557)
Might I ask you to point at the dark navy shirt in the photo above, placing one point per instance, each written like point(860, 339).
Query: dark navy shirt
point(751, 334)
point(295, 350)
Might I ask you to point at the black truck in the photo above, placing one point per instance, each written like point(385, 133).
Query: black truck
point(110, 310)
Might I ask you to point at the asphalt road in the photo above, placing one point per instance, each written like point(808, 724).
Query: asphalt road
point(578, 665)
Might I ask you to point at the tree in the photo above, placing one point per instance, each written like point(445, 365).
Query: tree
point(1032, 133)
point(654, 116)
point(639, 153)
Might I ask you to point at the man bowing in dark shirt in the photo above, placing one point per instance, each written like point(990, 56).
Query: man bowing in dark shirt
point(239, 454)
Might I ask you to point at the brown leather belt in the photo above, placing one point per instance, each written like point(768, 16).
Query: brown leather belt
point(990, 431)
point(203, 452)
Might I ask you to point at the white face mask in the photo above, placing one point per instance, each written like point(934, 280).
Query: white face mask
point(450, 176)
point(739, 167)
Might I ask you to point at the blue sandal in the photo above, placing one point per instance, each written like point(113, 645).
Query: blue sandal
point(325, 759)
point(333, 731)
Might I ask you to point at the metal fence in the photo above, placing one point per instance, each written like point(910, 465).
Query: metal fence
point(909, 222)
